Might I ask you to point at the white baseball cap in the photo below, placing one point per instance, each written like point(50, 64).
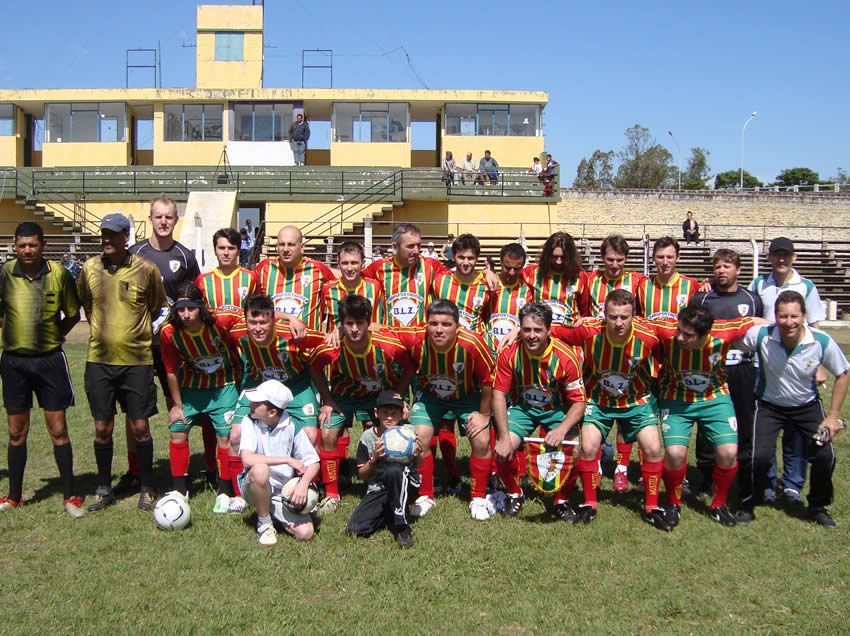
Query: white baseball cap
point(272, 391)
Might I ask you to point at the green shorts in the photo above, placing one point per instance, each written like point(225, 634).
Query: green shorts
point(218, 403)
point(630, 418)
point(716, 419)
point(429, 410)
point(360, 409)
point(304, 408)
point(524, 420)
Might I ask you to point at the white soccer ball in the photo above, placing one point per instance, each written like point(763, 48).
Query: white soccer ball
point(172, 512)
point(399, 444)
point(312, 497)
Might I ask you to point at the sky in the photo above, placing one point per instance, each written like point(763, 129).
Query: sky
point(695, 69)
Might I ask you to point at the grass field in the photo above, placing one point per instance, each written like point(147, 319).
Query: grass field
point(115, 572)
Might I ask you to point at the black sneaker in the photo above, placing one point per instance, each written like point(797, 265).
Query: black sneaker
point(512, 506)
point(585, 514)
point(146, 502)
point(744, 515)
point(822, 518)
point(493, 483)
point(792, 496)
point(564, 511)
point(722, 516)
point(657, 517)
point(454, 486)
point(127, 483)
point(404, 538)
point(673, 514)
point(686, 488)
point(103, 497)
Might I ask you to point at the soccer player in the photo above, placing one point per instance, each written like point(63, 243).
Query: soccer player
point(665, 293)
point(617, 352)
point(385, 502)
point(350, 261)
point(789, 352)
point(274, 450)
point(693, 390)
point(38, 307)
point(455, 374)
point(543, 378)
point(202, 367)
point(363, 365)
point(122, 294)
point(294, 282)
point(558, 280)
point(227, 286)
point(512, 295)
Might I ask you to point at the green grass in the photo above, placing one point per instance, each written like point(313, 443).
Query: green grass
point(115, 572)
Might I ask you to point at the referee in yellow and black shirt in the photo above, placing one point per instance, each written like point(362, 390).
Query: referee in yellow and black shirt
point(39, 306)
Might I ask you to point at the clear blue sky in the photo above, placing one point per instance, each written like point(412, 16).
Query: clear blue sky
point(695, 69)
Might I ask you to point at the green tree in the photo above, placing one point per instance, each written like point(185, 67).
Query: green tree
point(697, 174)
point(797, 176)
point(732, 178)
point(643, 162)
point(596, 173)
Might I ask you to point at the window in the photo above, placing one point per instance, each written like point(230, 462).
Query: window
point(261, 121)
point(229, 47)
point(7, 120)
point(192, 122)
point(502, 120)
point(85, 122)
point(377, 122)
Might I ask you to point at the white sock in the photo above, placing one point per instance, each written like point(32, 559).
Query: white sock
point(261, 521)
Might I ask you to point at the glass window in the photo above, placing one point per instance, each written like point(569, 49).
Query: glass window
point(525, 120)
point(460, 119)
point(7, 120)
point(213, 122)
point(501, 120)
point(377, 122)
point(112, 122)
point(58, 123)
point(192, 122)
point(85, 122)
point(229, 47)
point(262, 122)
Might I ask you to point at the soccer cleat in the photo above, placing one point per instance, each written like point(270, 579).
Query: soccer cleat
point(564, 511)
point(822, 518)
point(267, 535)
point(621, 481)
point(8, 504)
point(103, 497)
point(478, 509)
point(493, 483)
point(237, 505)
point(422, 506)
point(404, 538)
point(74, 507)
point(222, 504)
point(657, 517)
point(686, 488)
point(585, 514)
point(744, 515)
point(146, 501)
point(328, 506)
point(722, 516)
point(454, 486)
point(512, 506)
point(673, 514)
point(792, 495)
point(127, 483)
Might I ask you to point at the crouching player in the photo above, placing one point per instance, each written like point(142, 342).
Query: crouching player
point(544, 379)
point(201, 369)
point(385, 503)
point(273, 452)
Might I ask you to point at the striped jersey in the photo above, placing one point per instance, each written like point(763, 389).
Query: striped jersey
point(281, 359)
point(296, 290)
point(453, 374)
point(563, 297)
point(203, 359)
point(698, 375)
point(658, 301)
point(335, 291)
point(599, 286)
point(547, 381)
point(616, 376)
point(227, 292)
point(472, 299)
point(360, 375)
point(408, 290)
point(505, 304)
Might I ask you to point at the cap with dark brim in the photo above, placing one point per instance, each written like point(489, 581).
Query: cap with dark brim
point(781, 244)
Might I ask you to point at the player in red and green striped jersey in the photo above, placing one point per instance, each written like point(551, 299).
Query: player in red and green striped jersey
point(558, 280)
point(454, 374)
point(693, 390)
point(665, 293)
point(228, 285)
point(544, 380)
point(294, 282)
point(202, 370)
point(618, 352)
point(360, 367)
point(512, 295)
point(350, 261)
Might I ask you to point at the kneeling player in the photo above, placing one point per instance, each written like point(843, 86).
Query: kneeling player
point(544, 379)
point(273, 453)
point(385, 503)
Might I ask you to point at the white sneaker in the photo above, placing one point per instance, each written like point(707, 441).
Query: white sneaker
point(268, 535)
point(422, 506)
point(478, 509)
point(328, 506)
point(222, 504)
point(237, 504)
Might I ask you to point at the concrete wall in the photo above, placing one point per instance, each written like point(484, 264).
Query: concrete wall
point(370, 154)
point(247, 73)
point(93, 153)
point(508, 151)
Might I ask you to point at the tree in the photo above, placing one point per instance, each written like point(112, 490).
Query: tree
point(797, 176)
point(596, 173)
point(732, 179)
point(697, 174)
point(643, 162)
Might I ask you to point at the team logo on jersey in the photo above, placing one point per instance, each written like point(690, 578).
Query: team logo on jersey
point(681, 299)
point(634, 362)
point(209, 364)
point(536, 395)
point(216, 342)
point(283, 356)
point(476, 302)
point(242, 291)
point(743, 309)
point(733, 423)
point(370, 384)
point(378, 368)
point(458, 367)
point(174, 266)
point(305, 279)
point(714, 358)
point(419, 278)
point(520, 303)
point(615, 384)
point(443, 386)
point(559, 310)
point(289, 303)
point(465, 319)
point(502, 325)
point(404, 307)
point(275, 373)
point(695, 381)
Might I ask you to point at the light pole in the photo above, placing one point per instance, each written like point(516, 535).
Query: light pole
point(679, 151)
point(749, 119)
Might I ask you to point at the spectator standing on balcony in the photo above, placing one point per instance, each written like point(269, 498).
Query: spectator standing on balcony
point(449, 168)
point(536, 167)
point(488, 168)
point(549, 175)
point(299, 134)
point(690, 229)
point(468, 169)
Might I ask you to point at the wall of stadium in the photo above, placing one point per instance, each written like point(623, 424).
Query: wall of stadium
point(507, 151)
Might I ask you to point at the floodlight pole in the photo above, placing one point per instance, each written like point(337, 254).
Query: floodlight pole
point(749, 119)
point(679, 151)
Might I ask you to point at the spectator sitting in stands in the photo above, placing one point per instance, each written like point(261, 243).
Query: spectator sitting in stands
point(690, 229)
point(244, 248)
point(536, 167)
point(449, 168)
point(488, 169)
point(468, 169)
point(429, 251)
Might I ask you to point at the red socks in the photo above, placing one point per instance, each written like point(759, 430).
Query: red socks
point(479, 472)
point(673, 479)
point(508, 472)
point(722, 477)
point(210, 444)
point(178, 455)
point(651, 473)
point(448, 448)
point(223, 465)
point(236, 469)
point(342, 447)
point(329, 463)
point(426, 470)
point(589, 471)
point(624, 454)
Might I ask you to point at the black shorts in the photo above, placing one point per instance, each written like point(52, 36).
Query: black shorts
point(47, 375)
point(130, 386)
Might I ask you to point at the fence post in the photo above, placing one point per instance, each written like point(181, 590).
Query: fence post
point(329, 249)
point(186, 182)
point(367, 236)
